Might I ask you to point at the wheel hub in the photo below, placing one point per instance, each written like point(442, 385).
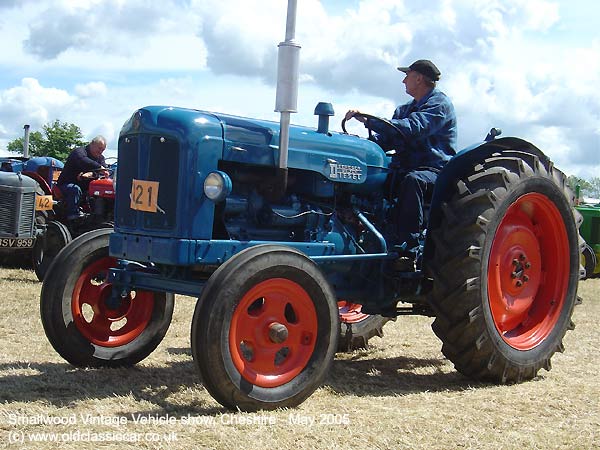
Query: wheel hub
point(98, 322)
point(278, 333)
point(273, 332)
point(519, 273)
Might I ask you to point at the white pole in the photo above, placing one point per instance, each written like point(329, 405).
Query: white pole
point(26, 142)
point(288, 63)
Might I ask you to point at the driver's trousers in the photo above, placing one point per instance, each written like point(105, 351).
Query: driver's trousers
point(410, 190)
point(72, 193)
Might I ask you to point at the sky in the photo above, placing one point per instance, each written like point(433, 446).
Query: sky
point(529, 67)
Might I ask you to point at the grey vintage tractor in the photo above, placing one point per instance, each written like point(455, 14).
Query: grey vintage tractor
point(29, 230)
point(33, 219)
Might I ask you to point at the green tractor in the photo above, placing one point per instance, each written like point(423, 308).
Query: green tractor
point(590, 232)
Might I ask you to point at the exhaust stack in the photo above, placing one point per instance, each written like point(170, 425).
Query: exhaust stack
point(26, 142)
point(288, 62)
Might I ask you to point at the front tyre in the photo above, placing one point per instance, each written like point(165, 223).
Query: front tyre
point(80, 325)
point(506, 268)
point(47, 246)
point(265, 329)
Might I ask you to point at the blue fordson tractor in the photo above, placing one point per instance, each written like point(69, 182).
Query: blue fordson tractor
point(282, 234)
point(202, 209)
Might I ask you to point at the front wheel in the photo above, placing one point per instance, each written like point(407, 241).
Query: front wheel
point(506, 268)
point(79, 323)
point(47, 246)
point(265, 329)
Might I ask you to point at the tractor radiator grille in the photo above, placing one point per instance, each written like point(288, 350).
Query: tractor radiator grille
point(16, 213)
point(151, 158)
point(27, 211)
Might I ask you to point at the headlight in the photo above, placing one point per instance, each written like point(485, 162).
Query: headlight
point(217, 186)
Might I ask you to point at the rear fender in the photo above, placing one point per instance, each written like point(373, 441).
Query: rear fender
point(40, 180)
point(459, 166)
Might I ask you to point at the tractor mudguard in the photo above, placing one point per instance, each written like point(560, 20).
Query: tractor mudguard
point(461, 164)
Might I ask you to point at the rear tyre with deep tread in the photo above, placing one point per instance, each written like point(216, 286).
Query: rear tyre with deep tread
point(357, 328)
point(506, 268)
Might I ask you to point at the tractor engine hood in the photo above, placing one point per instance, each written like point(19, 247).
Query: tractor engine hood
point(339, 157)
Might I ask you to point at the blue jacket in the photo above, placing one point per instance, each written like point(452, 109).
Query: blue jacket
point(429, 130)
point(79, 160)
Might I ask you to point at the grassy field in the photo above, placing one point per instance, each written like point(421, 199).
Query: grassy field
point(401, 393)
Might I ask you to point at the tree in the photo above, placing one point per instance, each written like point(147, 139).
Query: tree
point(573, 181)
point(36, 144)
point(57, 140)
point(594, 189)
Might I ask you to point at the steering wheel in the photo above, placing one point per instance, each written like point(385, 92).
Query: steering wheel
point(381, 120)
point(97, 175)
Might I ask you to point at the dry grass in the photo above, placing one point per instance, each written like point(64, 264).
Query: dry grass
point(401, 393)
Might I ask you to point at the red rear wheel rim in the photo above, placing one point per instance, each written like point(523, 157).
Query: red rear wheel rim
point(260, 357)
point(97, 322)
point(528, 271)
point(350, 312)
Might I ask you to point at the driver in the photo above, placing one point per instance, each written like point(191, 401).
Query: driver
point(78, 171)
point(428, 141)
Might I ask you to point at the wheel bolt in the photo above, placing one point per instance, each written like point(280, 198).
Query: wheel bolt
point(527, 265)
point(519, 283)
point(522, 257)
point(515, 262)
point(278, 333)
point(513, 275)
point(525, 278)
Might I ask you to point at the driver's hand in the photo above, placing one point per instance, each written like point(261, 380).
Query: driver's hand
point(356, 114)
point(103, 171)
point(86, 175)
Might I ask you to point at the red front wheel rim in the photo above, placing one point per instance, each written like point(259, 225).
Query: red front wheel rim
point(273, 332)
point(101, 325)
point(528, 271)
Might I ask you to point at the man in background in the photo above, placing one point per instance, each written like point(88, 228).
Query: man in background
point(79, 171)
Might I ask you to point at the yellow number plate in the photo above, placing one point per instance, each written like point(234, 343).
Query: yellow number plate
point(43, 202)
point(144, 195)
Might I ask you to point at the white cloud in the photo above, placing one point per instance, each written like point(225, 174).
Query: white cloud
point(33, 104)
point(95, 88)
point(521, 65)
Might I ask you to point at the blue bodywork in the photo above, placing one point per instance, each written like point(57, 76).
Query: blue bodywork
point(334, 209)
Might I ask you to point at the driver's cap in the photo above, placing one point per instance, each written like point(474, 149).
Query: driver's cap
point(424, 67)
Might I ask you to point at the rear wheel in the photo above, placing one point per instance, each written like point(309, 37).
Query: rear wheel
point(506, 268)
point(47, 247)
point(265, 329)
point(356, 327)
point(79, 323)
